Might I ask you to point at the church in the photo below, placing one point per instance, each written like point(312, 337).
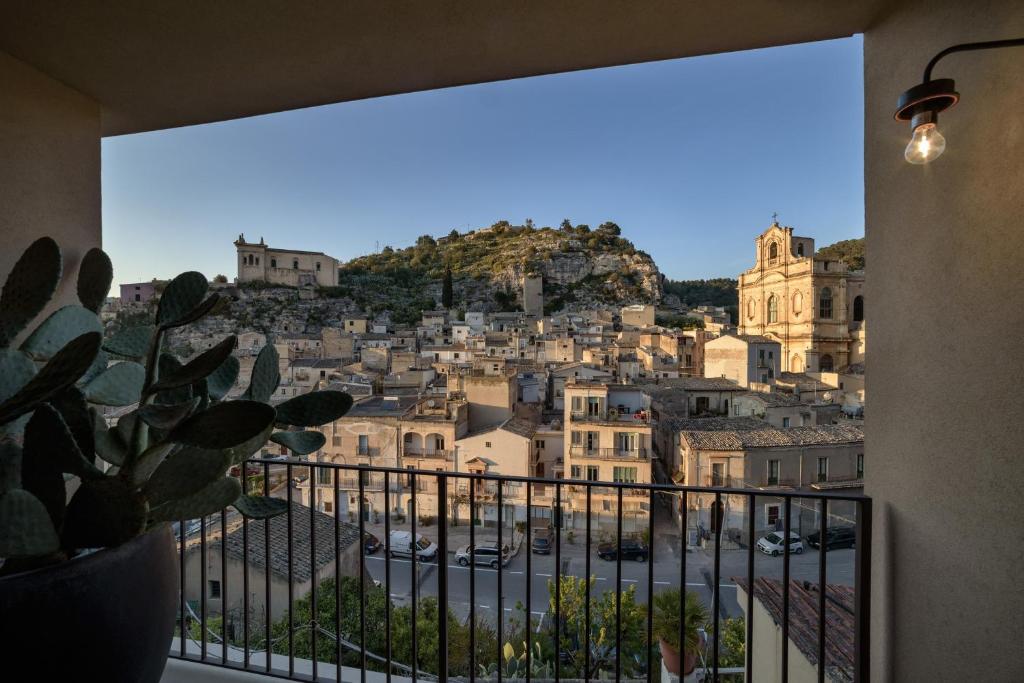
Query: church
point(259, 263)
point(812, 305)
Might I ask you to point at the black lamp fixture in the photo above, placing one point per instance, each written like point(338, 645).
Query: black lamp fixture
point(921, 104)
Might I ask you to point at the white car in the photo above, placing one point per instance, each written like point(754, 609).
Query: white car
point(771, 544)
point(400, 545)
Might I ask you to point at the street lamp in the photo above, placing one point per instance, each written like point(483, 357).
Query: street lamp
point(921, 104)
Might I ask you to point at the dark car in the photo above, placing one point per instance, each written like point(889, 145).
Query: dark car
point(835, 537)
point(371, 544)
point(632, 549)
point(541, 542)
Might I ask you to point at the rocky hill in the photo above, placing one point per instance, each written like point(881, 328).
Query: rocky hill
point(581, 267)
point(850, 252)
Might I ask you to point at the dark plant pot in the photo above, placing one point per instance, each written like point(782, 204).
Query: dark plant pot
point(109, 615)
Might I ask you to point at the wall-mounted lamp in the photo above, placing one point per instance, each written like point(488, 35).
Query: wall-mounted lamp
point(921, 104)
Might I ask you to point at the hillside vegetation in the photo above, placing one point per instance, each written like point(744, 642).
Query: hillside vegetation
point(580, 267)
point(850, 252)
point(719, 291)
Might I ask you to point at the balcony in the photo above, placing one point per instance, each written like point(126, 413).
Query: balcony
point(612, 417)
point(608, 453)
point(435, 453)
point(315, 558)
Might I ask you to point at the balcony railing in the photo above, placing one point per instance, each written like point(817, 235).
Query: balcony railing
point(641, 418)
point(289, 575)
point(439, 453)
point(608, 453)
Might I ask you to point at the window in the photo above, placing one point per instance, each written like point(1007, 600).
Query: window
point(577, 437)
point(860, 465)
point(773, 252)
point(138, 297)
point(626, 475)
point(606, 505)
point(773, 472)
point(213, 589)
point(703, 404)
point(822, 469)
point(593, 473)
point(773, 309)
point(826, 364)
point(328, 506)
point(800, 249)
point(718, 474)
point(318, 266)
point(771, 512)
point(364, 444)
point(540, 443)
point(273, 263)
point(487, 444)
point(825, 303)
point(575, 472)
point(826, 265)
point(858, 308)
point(257, 260)
point(295, 264)
point(760, 355)
point(577, 404)
point(627, 441)
point(785, 422)
point(592, 441)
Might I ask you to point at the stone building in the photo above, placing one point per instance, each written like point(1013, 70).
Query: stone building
point(533, 295)
point(258, 262)
point(813, 306)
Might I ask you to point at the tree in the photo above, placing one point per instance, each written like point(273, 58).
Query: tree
point(566, 225)
point(850, 252)
point(425, 241)
point(447, 294)
point(528, 223)
point(453, 235)
point(609, 228)
point(457, 501)
point(222, 279)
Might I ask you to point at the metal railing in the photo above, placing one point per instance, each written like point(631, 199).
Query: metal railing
point(315, 635)
point(441, 453)
point(608, 453)
point(612, 416)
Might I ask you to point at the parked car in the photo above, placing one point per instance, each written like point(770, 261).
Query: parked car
point(400, 545)
point(371, 543)
point(541, 541)
point(771, 544)
point(632, 549)
point(835, 537)
point(486, 554)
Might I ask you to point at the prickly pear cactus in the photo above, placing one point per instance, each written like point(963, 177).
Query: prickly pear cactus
point(167, 459)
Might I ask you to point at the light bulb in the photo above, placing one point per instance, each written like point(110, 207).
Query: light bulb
point(926, 144)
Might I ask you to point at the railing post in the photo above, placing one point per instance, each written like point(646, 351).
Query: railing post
point(862, 587)
point(442, 577)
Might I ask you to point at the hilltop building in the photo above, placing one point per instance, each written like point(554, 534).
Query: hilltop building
point(812, 305)
point(258, 262)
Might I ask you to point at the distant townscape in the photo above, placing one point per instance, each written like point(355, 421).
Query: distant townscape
point(490, 377)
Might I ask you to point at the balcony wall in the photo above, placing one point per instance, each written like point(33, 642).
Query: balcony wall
point(49, 168)
point(945, 245)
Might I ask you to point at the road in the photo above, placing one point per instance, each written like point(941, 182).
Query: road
point(665, 569)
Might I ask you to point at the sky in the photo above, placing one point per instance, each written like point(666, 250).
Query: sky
point(691, 157)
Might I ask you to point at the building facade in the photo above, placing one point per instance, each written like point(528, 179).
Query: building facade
point(258, 262)
point(812, 305)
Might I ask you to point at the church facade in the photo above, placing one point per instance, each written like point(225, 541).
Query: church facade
point(813, 306)
point(258, 262)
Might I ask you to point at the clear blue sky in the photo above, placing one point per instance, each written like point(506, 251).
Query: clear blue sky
point(690, 157)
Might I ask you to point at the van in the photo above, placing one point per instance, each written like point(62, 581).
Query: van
point(400, 545)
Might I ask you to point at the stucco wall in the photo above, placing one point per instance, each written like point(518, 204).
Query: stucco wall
point(49, 168)
point(945, 243)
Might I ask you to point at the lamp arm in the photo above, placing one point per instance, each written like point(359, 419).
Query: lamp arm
point(965, 47)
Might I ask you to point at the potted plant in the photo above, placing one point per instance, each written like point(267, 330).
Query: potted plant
point(666, 628)
point(88, 561)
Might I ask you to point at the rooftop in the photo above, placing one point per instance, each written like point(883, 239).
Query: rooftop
point(734, 440)
point(382, 406)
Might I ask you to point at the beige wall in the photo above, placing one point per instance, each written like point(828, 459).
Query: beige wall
point(49, 168)
point(945, 244)
point(767, 644)
point(491, 399)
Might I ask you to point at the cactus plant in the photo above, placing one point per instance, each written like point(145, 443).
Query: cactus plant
point(166, 460)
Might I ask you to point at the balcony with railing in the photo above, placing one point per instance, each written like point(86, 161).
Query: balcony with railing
point(579, 451)
point(612, 416)
point(434, 453)
point(262, 596)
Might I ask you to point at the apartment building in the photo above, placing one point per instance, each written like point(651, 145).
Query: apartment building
point(608, 438)
point(745, 359)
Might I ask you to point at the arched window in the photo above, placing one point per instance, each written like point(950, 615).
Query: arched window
point(826, 364)
point(773, 309)
point(257, 260)
point(800, 249)
point(858, 308)
point(773, 252)
point(825, 303)
point(273, 263)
